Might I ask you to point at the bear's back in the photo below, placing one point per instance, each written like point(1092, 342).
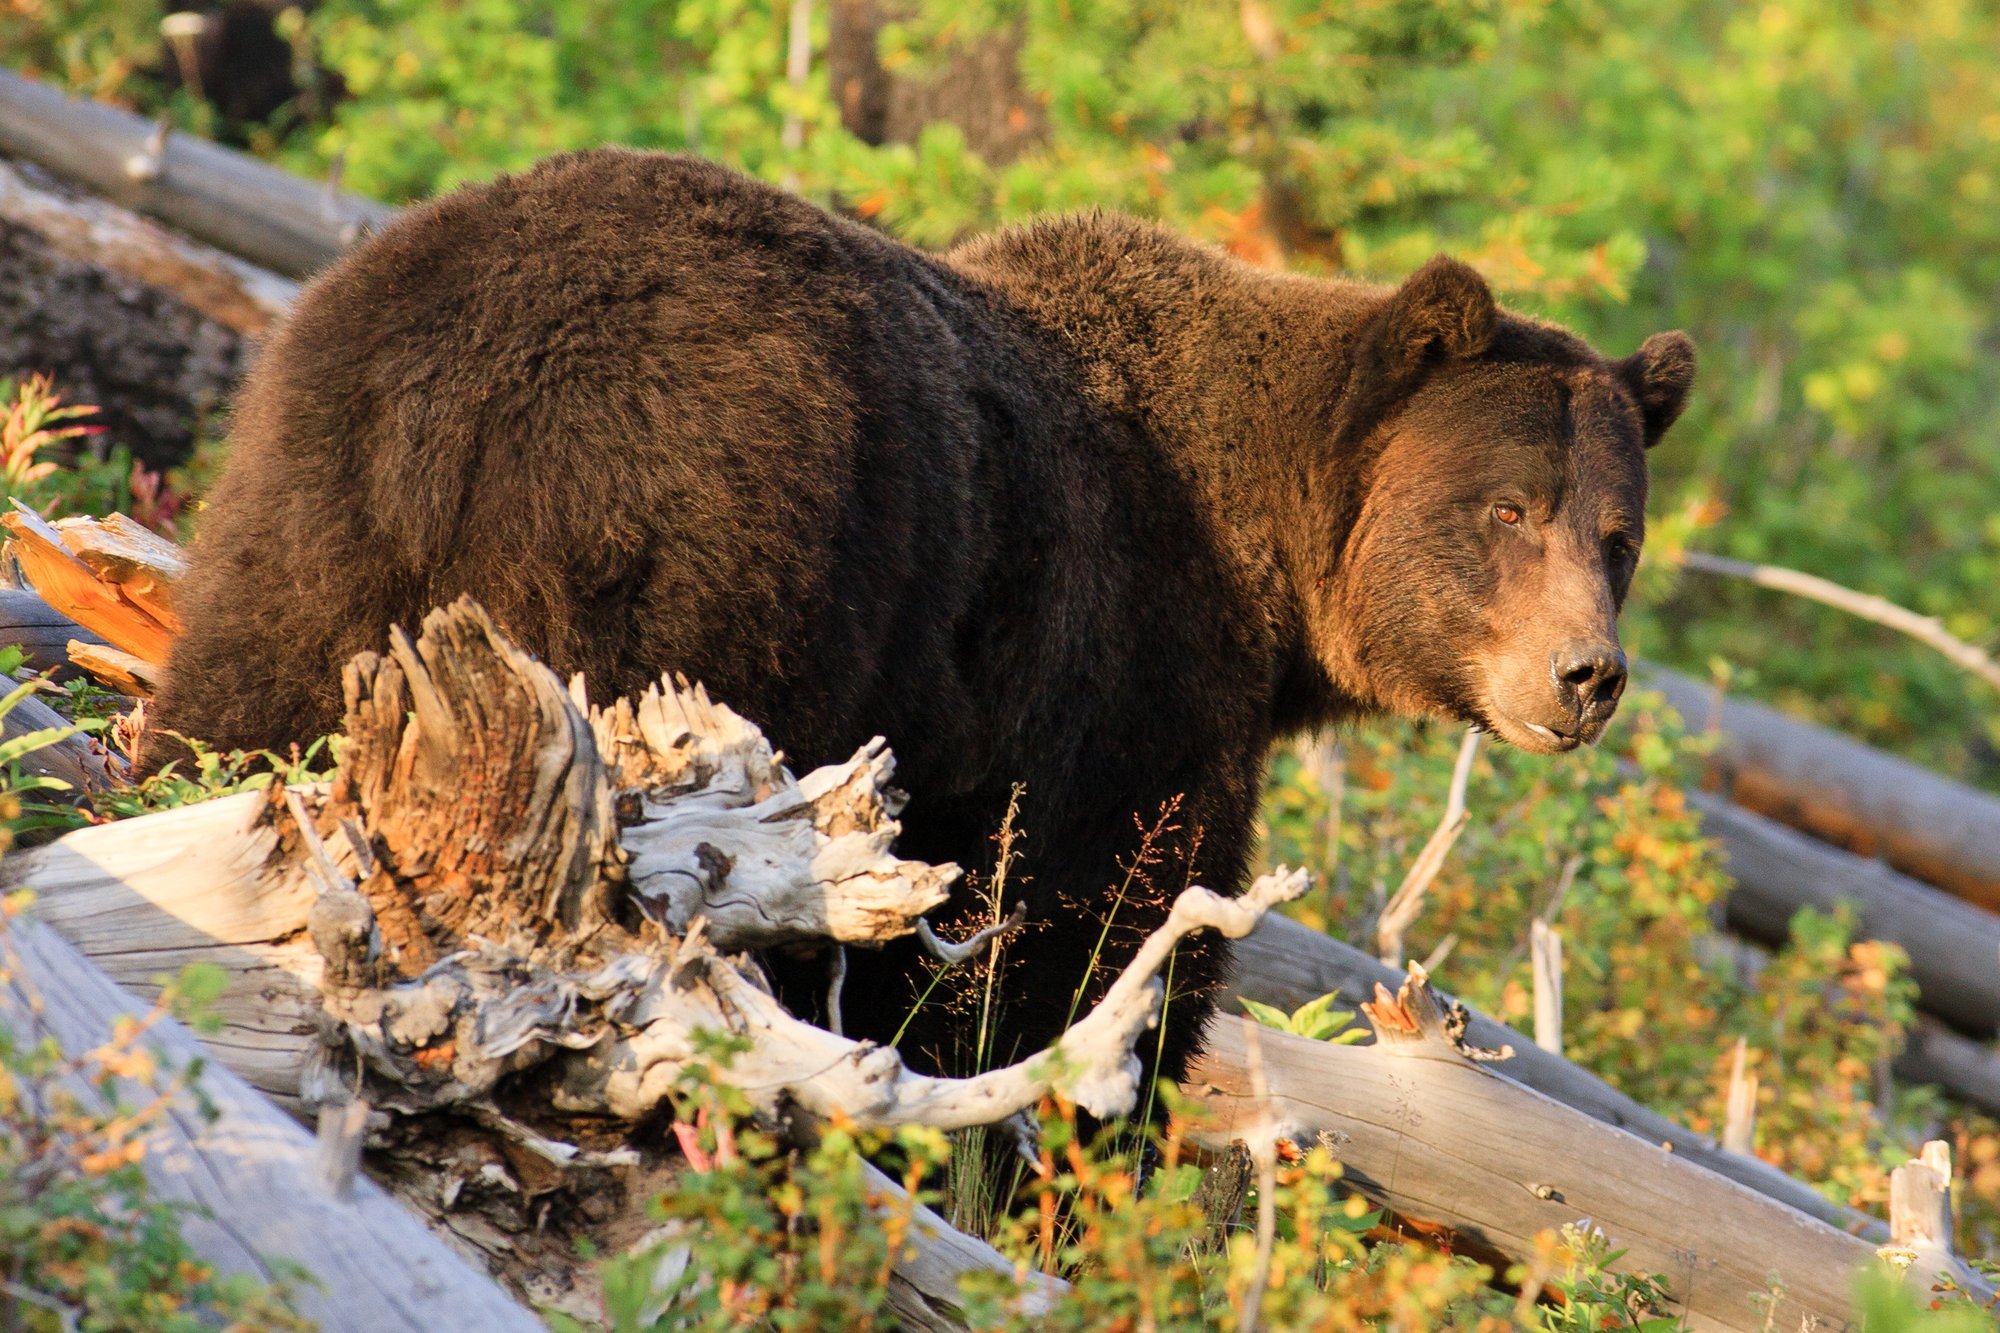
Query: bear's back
point(654, 414)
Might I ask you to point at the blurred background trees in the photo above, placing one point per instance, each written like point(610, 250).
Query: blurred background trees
point(1809, 189)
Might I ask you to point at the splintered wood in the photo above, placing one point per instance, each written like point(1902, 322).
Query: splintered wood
point(512, 924)
point(111, 576)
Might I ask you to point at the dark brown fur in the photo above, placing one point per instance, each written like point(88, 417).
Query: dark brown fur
point(1081, 505)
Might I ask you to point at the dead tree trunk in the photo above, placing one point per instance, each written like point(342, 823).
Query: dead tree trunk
point(1430, 1127)
point(259, 212)
point(505, 921)
point(1954, 947)
point(1845, 793)
point(152, 329)
point(252, 1170)
point(1285, 964)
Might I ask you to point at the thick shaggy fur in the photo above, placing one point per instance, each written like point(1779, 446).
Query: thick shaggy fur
point(1082, 506)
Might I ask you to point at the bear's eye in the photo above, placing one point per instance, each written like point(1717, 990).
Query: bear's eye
point(1509, 514)
point(1617, 548)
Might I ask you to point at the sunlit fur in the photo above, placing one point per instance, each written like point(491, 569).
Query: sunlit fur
point(1081, 504)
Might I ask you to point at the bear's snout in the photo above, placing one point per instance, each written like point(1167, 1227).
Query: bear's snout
point(1589, 677)
point(1552, 701)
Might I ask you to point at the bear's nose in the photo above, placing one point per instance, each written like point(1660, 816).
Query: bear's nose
point(1590, 674)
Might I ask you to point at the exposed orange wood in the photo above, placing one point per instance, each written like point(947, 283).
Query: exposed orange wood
point(140, 622)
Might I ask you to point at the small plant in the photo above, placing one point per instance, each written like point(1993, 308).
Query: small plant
point(83, 1244)
point(25, 808)
point(755, 1236)
point(34, 420)
point(208, 773)
point(1315, 1020)
point(1888, 1304)
point(1588, 1296)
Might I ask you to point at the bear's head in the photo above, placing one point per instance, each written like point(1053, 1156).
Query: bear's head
point(1500, 508)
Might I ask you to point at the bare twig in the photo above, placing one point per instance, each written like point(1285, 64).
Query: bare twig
point(951, 955)
point(1546, 944)
point(1927, 630)
point(343, 1129)
point(1407, 903)
point(1739, 1128)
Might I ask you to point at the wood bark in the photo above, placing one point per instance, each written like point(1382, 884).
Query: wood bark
point(1443, 1139)
point(1967, 1069)
point(1954, 947)
point(976, 86)
point(1285, 964)
point(111, 575)
point(85, 230)
point(251, 1170)
point(257, 212)
point(1845, 793)
point(42, 632)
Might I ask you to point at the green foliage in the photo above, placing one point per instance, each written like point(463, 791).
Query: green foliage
point(1589, 1296)
point(1315, 1020)
point(44, 465)
point(1603, 845)
point(208, 773)
point(23, 804)
point(1815, 186)
point(1886, 1304)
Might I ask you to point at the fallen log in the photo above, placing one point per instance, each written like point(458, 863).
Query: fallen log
point(89, 231)
point(507, 920)
point(262, 1194)
point(1285, 964)
point(1846, 793)
point(42, 632)
point(1967, 1069)
point(250, 1170)
point(229, 200)
point(1954, 947)
point(1435, 1135)
point(99, 299)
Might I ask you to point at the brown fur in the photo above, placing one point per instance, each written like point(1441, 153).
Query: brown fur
point(1081, 505)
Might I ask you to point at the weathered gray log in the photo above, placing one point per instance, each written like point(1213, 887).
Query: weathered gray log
point(252, 1171)
point(228, 290)
point(229, 200)
point(1846, 793)
point(1285, 964)
point(925, 1290)
point(1954, 947)
point(1967, 1069)
point(1443, 1139)
point(42, 632)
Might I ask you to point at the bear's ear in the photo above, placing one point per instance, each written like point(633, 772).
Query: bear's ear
point(1443, 310)
point(1658, 377)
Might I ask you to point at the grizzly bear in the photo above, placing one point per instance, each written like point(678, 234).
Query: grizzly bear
point(1080, 505)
